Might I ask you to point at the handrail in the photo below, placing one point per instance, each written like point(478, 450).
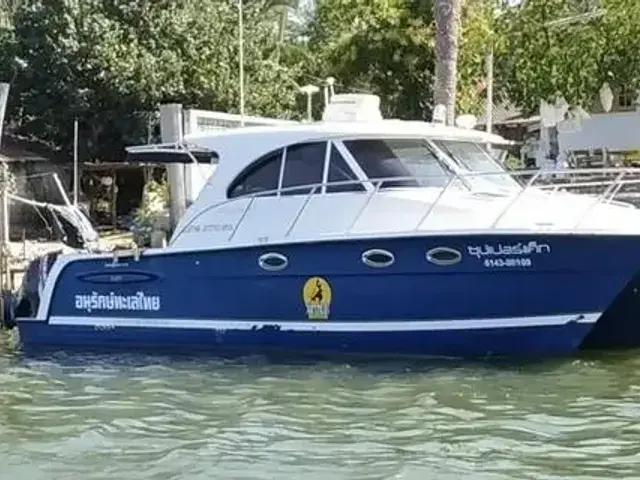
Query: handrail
point(515, 199)
point(300, 210)
point(375, 190)
point(428, 211)
point(244, 214)
point(542, 180)
point(598, 199)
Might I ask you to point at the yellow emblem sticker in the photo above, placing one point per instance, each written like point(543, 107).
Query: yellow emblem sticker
point(316, 295)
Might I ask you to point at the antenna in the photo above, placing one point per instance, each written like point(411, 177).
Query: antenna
point(241, 60)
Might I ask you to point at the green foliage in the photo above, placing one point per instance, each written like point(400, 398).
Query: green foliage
point(541, 57)
point(378, 47)
point(387, 48)
point(476, 39)
point(513, 163)
point(155, 202)
point(110, 61)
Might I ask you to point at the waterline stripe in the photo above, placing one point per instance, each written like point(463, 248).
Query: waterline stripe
point(327, 326)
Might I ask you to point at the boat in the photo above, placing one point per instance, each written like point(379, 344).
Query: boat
point(374, 237)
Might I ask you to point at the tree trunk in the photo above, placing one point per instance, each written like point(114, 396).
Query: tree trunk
point(448, 18)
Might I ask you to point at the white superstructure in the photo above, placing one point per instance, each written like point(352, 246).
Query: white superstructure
point(277, 184)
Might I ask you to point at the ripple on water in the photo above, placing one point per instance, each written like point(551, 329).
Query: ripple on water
point(161, 418)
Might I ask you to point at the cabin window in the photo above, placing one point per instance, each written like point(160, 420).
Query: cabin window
point(475, 158)
point(260, 177)
point(409, 159)
point(339, 171)
point(303, 166)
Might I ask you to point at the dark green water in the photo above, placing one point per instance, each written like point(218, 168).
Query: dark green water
point(159, 418)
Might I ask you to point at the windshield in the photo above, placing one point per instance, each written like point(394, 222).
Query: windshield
point(475, 158)
point(400, 157)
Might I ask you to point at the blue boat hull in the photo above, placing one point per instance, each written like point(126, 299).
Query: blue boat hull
point(508, 295)
point(471, 343)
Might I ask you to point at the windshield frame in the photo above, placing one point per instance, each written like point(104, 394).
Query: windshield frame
point(493, 177)
point(450, 168)
point(488, 175)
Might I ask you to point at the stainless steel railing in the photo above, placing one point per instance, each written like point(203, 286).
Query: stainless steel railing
point(602, 185)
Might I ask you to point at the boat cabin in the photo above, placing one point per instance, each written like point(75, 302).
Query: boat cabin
point(360, 164)
point(277, 182)
point(328, 170)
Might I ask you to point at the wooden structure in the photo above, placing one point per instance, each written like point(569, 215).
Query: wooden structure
point(113, 190)
point(34, 165)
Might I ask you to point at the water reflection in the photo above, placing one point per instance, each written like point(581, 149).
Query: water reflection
point(164, 418)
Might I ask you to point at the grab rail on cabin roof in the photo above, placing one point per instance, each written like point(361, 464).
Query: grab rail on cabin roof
point(544, 181)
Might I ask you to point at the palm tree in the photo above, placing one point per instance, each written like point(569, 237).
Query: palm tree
point(447, 15)
point(278, 9)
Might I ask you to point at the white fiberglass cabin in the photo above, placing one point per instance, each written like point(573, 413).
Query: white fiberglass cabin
point(371, 176)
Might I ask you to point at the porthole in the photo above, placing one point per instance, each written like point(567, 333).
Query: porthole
point(377, 258)
point(273, 262)
point(444, 256)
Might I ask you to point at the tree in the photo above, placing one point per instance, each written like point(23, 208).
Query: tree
point(281, 10)
point(543, 57)
point(447, 29)
point(108, 62)
point(387, 48)
point(377, 47)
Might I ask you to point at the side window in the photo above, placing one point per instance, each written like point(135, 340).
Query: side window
point(261, 177)
point(339, 171)
point(303, 165)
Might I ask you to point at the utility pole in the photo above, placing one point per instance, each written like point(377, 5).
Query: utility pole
point(6, 247)
point(171, 132)
point(76, 166)
point(5, 251)
point(241, 58)
point(489, 105)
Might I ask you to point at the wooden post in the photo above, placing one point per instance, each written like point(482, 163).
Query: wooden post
point(4, 198)
point(171, 132)
point(76, 165)
point(114, 197)
point(4, 214)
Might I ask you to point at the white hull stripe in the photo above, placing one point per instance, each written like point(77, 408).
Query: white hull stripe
point(325, 326)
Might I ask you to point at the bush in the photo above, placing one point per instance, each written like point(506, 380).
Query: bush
point(155, 202)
